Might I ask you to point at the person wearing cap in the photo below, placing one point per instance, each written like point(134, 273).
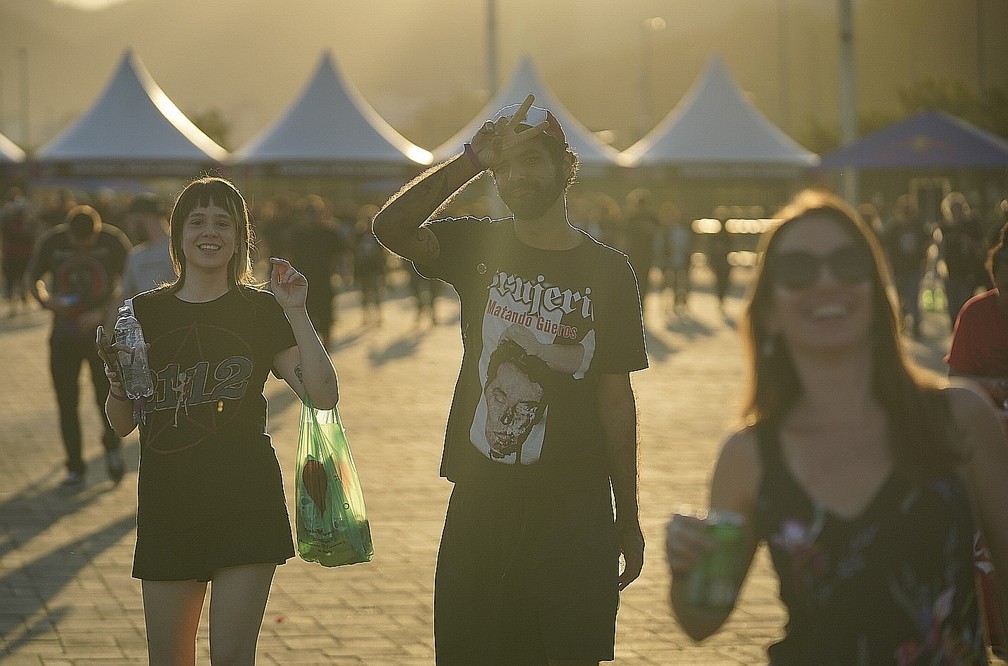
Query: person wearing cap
point(528, 567)
point(149, 264)
point(74, 272)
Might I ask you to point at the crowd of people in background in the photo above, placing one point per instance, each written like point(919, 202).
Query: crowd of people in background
point(936, 258)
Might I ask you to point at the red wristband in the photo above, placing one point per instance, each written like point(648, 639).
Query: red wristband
point(468, 151)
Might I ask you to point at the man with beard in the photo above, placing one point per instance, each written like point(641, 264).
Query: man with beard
point(528, 568)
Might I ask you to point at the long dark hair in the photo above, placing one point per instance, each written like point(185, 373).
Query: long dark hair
point(919, 421)
point(201, 192)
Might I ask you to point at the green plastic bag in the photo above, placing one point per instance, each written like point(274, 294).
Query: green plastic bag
point(331, 524)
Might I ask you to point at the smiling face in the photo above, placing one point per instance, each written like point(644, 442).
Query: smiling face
point(834, 309)
point(209, 238)
point(844, 305)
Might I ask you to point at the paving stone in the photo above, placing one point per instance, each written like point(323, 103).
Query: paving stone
point(67, 597)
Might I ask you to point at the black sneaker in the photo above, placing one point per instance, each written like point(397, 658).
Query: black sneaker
point(115, 466)
point(73, 479)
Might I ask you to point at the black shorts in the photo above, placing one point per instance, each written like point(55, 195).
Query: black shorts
point(196, 552)
point(523, 579)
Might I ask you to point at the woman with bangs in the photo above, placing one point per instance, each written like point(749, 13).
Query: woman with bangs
point(211, 505)
point(865, 479)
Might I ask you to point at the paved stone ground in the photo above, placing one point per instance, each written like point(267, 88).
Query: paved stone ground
point(66, 595)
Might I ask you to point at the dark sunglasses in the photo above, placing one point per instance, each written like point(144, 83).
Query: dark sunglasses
point(850, 265)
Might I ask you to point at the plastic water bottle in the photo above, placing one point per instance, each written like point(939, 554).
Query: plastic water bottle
point(136, 376)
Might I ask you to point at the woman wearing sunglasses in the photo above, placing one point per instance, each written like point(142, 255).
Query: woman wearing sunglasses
point(857, 471)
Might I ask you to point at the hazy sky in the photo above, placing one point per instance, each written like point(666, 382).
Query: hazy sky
point(422, 64)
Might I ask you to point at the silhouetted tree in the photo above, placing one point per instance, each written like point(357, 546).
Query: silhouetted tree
point(986, 108)
point(214, 125)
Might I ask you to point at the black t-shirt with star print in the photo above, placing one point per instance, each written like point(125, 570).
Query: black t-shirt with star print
point(204, 450)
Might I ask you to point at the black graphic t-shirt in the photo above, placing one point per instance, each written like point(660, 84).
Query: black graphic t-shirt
point(539, 327)
point(83, 278)
point(204, 450)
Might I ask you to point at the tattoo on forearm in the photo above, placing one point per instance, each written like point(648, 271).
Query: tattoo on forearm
point(426, 196)
point(420, 200)
point(431, 187)
point(299, 374)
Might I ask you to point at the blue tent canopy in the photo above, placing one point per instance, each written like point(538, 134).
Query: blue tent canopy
point(927, 139)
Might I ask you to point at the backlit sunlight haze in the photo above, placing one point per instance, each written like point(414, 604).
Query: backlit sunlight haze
point(619, 67)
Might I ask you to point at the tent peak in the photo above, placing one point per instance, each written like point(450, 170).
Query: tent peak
point(132, 120)
point(716, 124)
point(330, 122)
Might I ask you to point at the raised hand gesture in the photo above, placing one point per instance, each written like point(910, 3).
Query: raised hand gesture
point(289, 287)
point(497, 136)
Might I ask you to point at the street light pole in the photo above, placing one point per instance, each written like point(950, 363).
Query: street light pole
point(25, 138)
point(491, 72)
point(847, 105)
point(785, 103)
point(647, 26)
point(981, 64)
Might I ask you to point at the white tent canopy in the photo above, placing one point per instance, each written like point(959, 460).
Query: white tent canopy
point(10, 152)
point(329, 124)
point(715, 125)
point(525, 80)
point(134, 123)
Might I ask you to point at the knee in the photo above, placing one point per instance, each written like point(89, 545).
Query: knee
point(170, 650)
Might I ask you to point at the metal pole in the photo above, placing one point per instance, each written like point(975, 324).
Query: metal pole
point(491, 48)
point(785, 103)
point(644, 115)
point(847, 105)
point(647, 27)
point(25, 135)
point(981, 64)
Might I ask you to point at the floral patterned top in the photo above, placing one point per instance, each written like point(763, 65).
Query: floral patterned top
point(894, 585)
